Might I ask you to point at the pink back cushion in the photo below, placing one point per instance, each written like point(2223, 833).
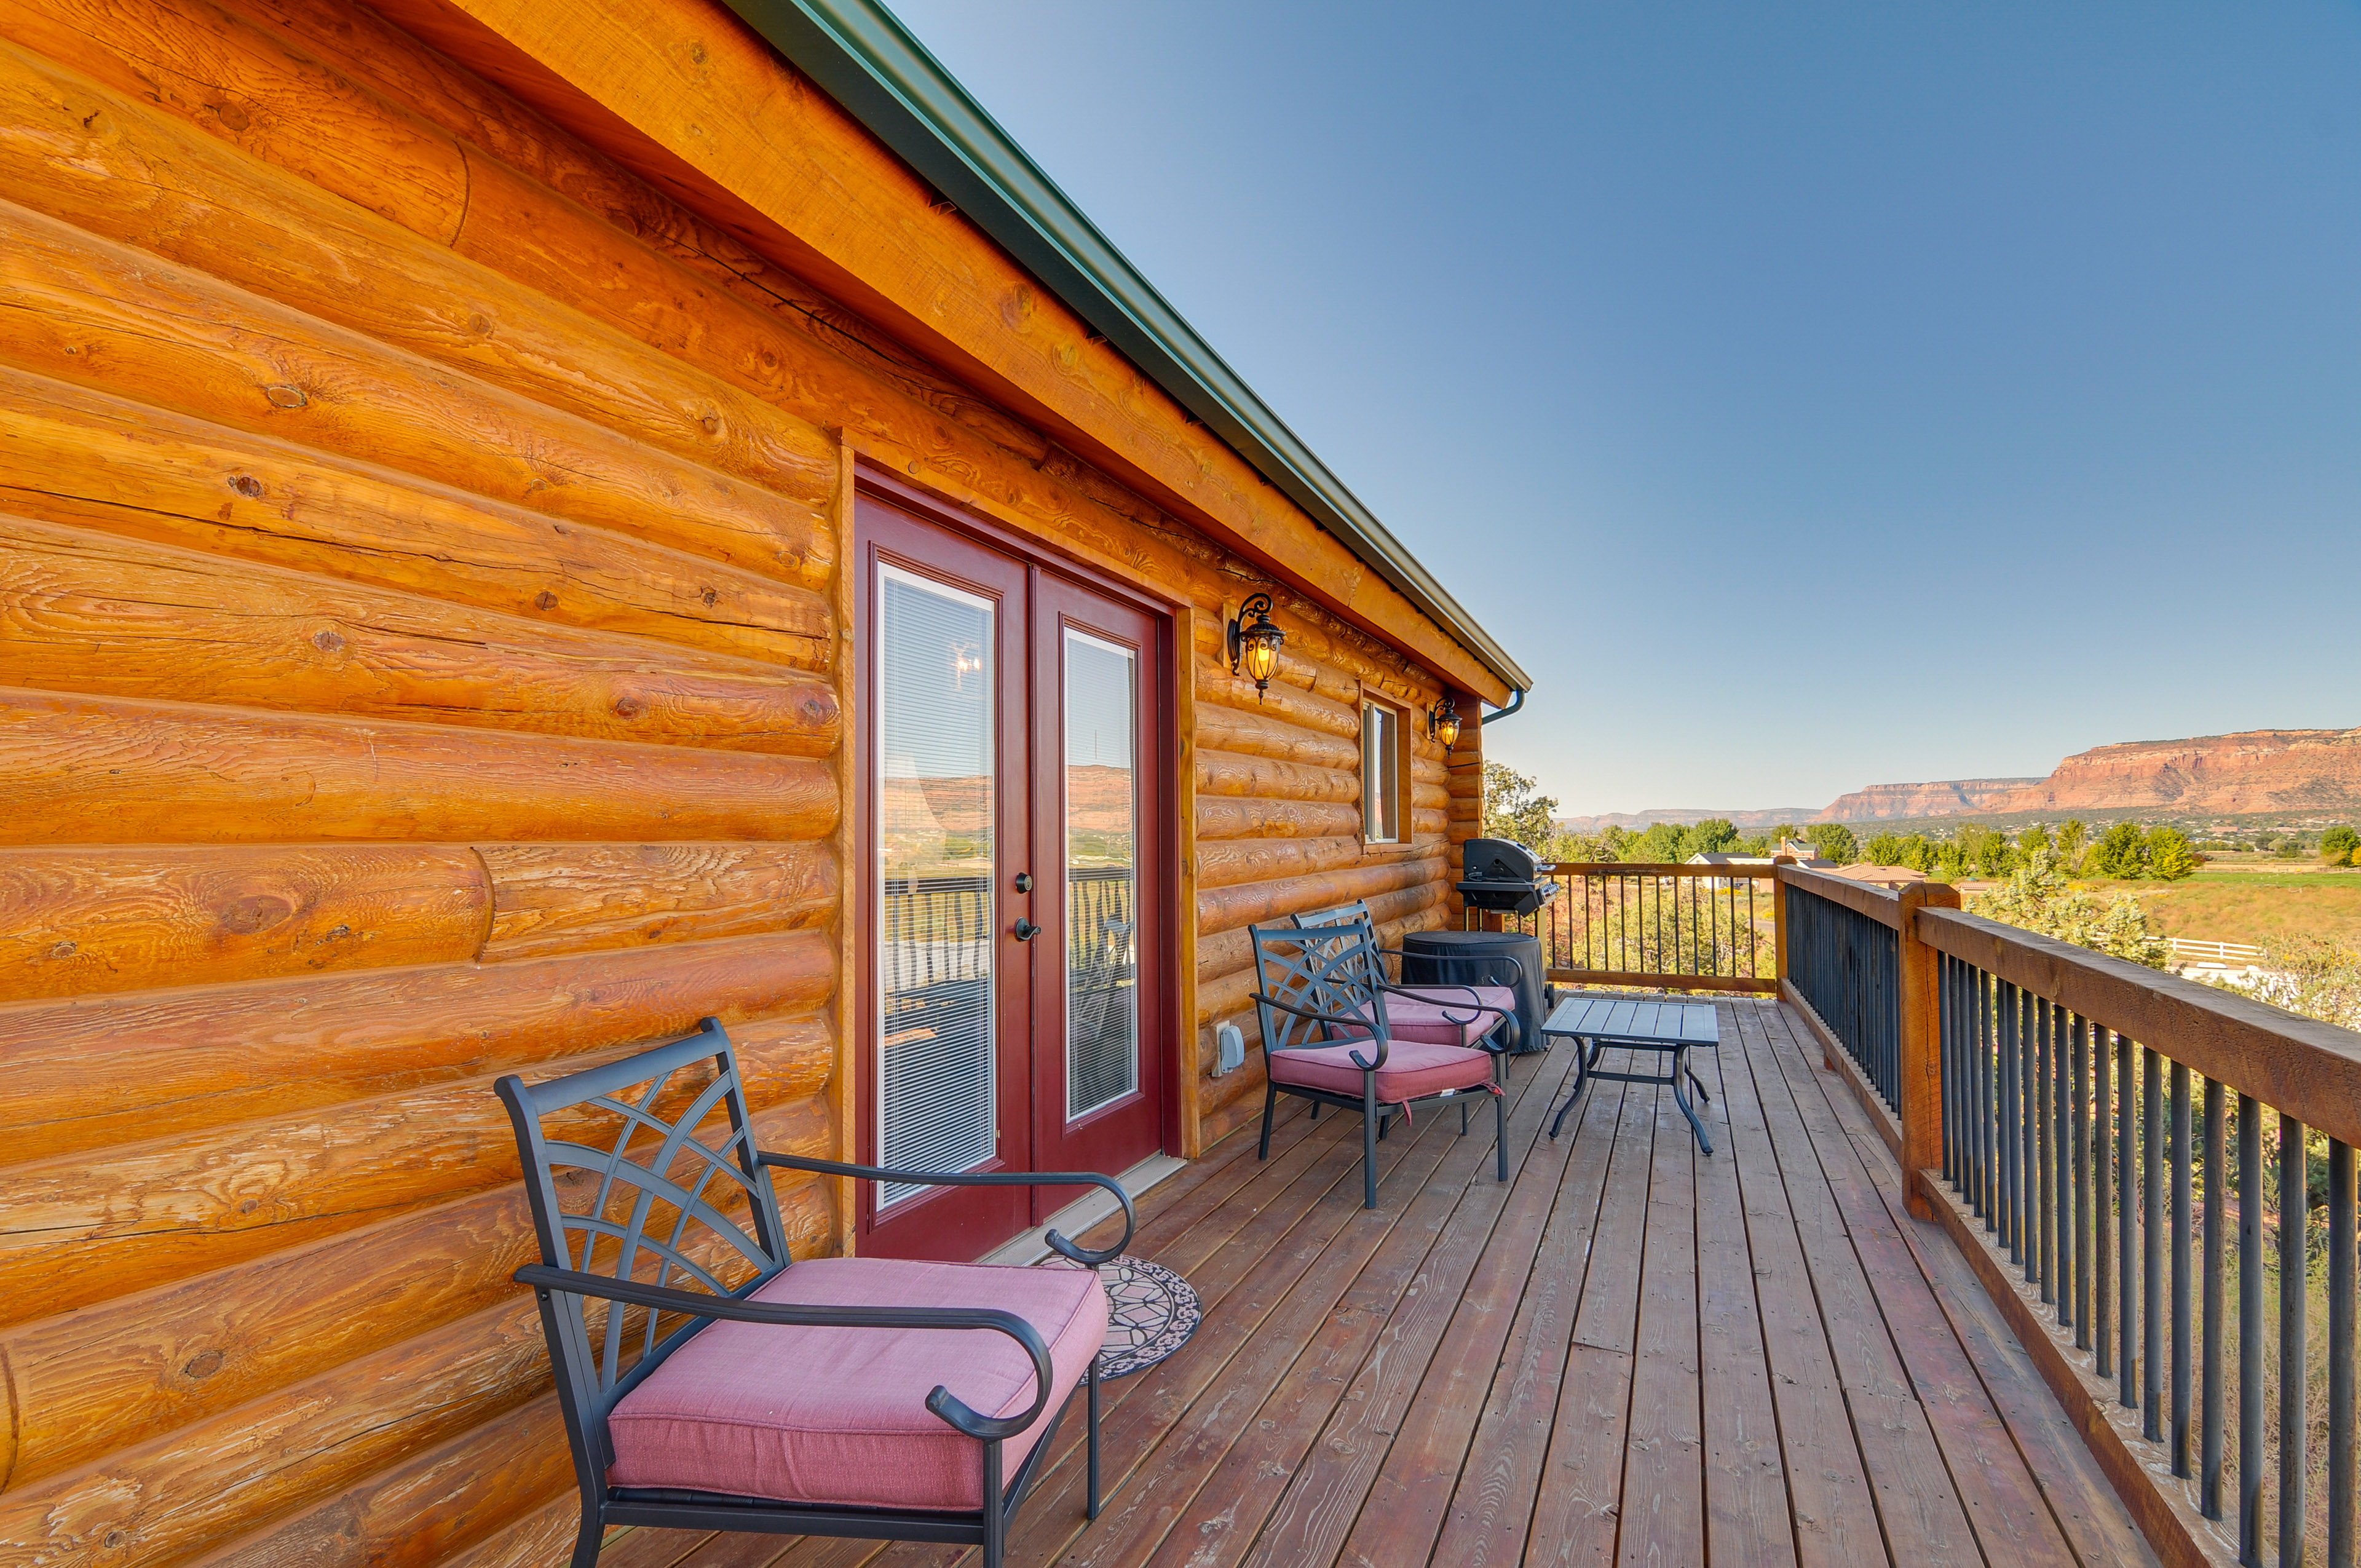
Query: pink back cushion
point(1447, 1016)
point(818, 1415)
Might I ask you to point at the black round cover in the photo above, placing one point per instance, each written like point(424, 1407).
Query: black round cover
point(1480, 957)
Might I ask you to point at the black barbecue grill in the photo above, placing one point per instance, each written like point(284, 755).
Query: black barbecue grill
point(1503, 878)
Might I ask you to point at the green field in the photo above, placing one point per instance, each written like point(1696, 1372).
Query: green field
point(2252, 906)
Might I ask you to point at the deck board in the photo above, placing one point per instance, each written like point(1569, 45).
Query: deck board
point(1631, 1353)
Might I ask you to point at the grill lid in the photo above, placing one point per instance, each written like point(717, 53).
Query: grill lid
point(1499, 860)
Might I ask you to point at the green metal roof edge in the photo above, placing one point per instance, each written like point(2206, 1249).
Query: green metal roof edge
point(862, 56)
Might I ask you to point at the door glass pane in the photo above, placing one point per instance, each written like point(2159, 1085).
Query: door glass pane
point(1102, 842)
point(935, 863)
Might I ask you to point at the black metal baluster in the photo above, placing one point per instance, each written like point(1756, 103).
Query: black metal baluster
point(2081, 1136)
point(2152, 1245)
point(2341, 1221)
point(2045, 1154)
point(2182, 1387)
point(2250, 1332)
point(2127, 1294)
point(2031, 1198)
point(1971, 1021)
point(2294, 1213)
point(1988, 1097)
point(2103, 1200)
point(2217, 1202)
point(2061, 1160)
point(1945, 1015)
point(2012, 1124)
point(2029, 1131)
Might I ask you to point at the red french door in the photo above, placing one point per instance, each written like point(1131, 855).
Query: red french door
point(1013, 962)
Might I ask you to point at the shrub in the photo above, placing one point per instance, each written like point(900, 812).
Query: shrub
point(2038, 898)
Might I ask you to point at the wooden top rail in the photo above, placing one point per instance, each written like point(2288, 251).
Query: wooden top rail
point(2309, 1069)
point(1880, 904)
point(1655, 868)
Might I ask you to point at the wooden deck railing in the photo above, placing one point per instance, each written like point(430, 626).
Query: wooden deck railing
point(2073, 1118)
point(1679, 928)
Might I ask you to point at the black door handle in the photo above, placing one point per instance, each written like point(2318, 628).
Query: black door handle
point(1027, 930)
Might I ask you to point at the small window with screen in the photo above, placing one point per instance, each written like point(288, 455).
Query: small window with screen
point(1381, 774)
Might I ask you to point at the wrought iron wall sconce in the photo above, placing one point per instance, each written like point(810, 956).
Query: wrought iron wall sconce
point(1442, 722)
point(1255, 646)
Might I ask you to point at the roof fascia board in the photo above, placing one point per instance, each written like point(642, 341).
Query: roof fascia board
point(864, 59)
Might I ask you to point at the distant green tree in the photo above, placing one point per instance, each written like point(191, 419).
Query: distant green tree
point(2038, 898)
point(1950, 859)
point(2169, 854)
point(1758, 844)
point(2118, 852)
point(1835, 841)
point(1660, 844)
point(2034, 838)
point(1917, 853)
point(2070, 835)
point(1577, 848)
point(1514, 809)
point(1984, 851)
point(1714, 836)
point(1885, 848)
point(1786, 833)
point(2336, 845)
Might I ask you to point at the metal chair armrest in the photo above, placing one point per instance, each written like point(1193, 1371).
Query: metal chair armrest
point(1346, 1019)
point(946, 1406)
point(1058, 1243)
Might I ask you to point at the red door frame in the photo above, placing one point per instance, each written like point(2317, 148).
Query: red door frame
point(1159, 850)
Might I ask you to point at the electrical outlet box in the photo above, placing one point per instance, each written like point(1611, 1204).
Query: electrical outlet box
point(1229, 1050)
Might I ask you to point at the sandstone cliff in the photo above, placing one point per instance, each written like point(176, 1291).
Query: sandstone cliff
point(2259, 770)
point(2256, 771)
point(1944, 797)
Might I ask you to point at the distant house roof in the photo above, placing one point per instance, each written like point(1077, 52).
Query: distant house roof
point(1884, 876)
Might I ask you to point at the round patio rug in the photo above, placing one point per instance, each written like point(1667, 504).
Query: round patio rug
point(1151, 1313)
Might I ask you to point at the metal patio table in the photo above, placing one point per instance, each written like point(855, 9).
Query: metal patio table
point(1597, 1019)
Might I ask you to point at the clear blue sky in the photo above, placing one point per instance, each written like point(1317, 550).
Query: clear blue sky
point(1808, 395)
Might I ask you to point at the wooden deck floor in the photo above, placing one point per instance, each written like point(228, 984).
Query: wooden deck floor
point(1630, 1353)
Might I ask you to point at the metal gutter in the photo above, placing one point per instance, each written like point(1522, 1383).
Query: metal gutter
point(862, 56)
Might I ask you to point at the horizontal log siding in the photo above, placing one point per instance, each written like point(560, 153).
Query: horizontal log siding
point(419, 618)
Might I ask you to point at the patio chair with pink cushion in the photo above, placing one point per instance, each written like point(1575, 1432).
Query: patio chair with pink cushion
point(1329, 1037)
point(708, 1385)
point(1436, 1011)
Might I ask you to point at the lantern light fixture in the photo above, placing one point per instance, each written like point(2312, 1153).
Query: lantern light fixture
point(1442, 722)
point(1254, 648)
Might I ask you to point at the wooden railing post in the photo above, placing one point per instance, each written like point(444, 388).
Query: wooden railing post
point(1779, 914)
point(1921, 1110)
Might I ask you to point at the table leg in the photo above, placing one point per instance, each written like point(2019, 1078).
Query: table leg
point(1680, 1070)
point(1585, 1054)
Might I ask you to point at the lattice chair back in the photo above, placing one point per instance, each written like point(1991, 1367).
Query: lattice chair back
point(1323, 970)
point(1332, 926)
point(640, 1169)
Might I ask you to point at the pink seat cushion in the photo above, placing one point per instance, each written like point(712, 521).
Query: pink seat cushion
point(1447, 1016)
point(813, 1415)
point(1413, 1069)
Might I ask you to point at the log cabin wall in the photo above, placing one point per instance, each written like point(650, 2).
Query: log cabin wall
point(421, 645)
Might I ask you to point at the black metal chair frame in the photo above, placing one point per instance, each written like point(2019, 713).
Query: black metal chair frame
point(1334, 979)
point(1510, 1030)
point(591, 1379)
